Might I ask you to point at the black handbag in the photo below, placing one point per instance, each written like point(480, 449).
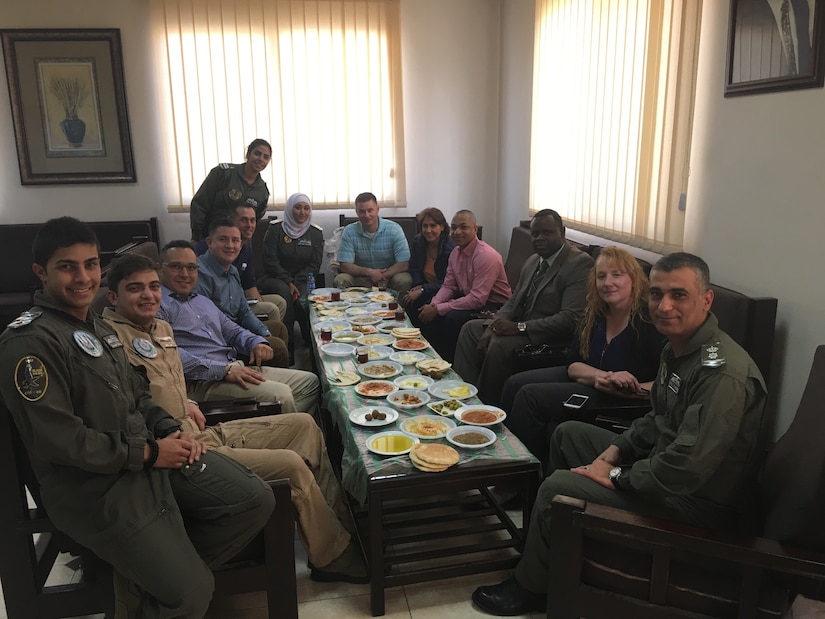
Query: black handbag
point(532, 357)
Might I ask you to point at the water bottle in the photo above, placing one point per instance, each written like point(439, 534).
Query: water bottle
point(310, 283)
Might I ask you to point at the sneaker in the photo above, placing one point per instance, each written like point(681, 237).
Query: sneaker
point(349, 566)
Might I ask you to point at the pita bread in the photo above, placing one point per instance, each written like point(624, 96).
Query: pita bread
point(434, 454)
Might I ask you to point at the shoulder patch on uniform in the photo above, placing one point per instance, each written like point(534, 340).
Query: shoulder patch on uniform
point(31, 378)
point(713, 354)
point(25, 318)
point(224, 166)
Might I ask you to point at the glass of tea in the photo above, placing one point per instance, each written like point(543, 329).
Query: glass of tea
point(335, 295)
point(362, 354)
point(399, 315)
point(326, 334)
point(393, 305)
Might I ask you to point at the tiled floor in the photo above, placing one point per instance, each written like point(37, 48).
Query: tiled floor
point(449, 599)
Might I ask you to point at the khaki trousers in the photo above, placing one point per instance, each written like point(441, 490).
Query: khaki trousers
point(289, 446)
point(296, 390)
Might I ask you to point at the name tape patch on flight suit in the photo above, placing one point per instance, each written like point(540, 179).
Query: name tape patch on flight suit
point(145, 348)
point(88, 343)
point(673, 383)
point(31, 378)
point(112, 341)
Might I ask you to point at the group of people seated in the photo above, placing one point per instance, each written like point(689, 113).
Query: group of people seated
point(107, 406)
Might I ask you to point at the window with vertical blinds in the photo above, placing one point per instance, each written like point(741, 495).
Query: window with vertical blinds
point(613, 99)
point(319, 79)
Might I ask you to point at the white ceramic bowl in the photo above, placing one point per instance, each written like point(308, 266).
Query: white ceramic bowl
point(452, 434)
point(346, 337)
point(461, 412)
point(398, 398)
point(394, 369)
point(335, 349)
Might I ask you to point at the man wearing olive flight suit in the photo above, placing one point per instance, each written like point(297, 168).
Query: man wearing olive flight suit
point(694, 458)
point(116, 472)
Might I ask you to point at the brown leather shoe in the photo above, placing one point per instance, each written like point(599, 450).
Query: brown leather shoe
point(349, 566)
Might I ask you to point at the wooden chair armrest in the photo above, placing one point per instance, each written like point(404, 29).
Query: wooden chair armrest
point(654, 532)
point(238, 409)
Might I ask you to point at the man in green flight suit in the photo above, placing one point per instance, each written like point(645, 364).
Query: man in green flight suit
point(116, 472)
point(694, 458)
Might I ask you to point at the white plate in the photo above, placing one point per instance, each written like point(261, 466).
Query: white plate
point(407, 357)
point(346, 337)
point(349, 295)
point(379, 443)
point(376, 339)
point(374, 307)
point(378, 352)
point(500, 414)
point(443, 425)
point(399, 344)
point(358, 289)
point(335, 325)
point(357, 416)
point(339, 305)
point(396, 369)
point(491, 436)
point(437, 407)
point(356, 311)
point(364, 320)
point(383, 314)
point(383, 297)
point(334, 313)
point(387, 388)
point(387, 327)
point(397, 398)
point(345, 379)
point(413, 381)
point(440, 389)
point(338, 350)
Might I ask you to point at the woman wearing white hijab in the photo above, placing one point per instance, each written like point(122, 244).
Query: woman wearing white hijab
point(293, 248)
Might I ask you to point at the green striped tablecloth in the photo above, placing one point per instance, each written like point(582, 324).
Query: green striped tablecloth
point(358, 463)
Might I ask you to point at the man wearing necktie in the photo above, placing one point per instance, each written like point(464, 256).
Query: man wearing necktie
point(544, 309)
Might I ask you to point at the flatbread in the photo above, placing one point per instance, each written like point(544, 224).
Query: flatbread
point(434, 454)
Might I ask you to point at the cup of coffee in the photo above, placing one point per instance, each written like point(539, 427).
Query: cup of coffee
point(335, 295)
point(326, 334)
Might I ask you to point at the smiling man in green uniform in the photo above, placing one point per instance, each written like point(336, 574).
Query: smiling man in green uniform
point(694, 458)
point(116, 472)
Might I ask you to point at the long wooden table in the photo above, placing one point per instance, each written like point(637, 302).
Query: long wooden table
point(416, 526)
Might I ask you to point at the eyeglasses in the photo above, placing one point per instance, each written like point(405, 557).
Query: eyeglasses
point(177, 267)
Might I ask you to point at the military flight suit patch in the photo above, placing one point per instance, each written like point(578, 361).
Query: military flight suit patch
point(88, 343)
point(145, 348)
point(31, 378)
point(25, 318)
point(235, 194)
point(674, 383)
point(112, 341)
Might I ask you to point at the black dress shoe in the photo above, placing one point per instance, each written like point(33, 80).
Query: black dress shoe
point(508, 599)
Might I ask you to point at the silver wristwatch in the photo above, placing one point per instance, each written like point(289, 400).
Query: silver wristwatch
point(521, 326)
point(614, 474)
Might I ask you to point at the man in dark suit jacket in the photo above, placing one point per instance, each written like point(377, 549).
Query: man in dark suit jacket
point(544, 309)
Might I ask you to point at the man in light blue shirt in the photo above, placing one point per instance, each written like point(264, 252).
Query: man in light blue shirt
point(219, 280)
point(373, 251)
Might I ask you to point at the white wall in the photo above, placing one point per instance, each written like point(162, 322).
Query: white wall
point(755, 204)
point(450, 51)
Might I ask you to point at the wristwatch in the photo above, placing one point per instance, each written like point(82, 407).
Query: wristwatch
point(615, 474)
point(521, 326)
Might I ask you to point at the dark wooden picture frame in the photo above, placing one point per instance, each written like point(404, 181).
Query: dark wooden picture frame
point(68, 104)
point(774, 45)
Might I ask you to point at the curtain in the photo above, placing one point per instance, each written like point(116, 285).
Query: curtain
point(318, 79)
point(613, 96)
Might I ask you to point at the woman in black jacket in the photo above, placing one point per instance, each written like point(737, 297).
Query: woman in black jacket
point(429, 253)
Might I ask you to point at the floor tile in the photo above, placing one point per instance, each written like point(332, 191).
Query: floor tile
point(450, 599)
point(395, 607)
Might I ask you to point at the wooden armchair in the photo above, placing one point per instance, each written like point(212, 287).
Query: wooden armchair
point(609, 562)
point(30, 545)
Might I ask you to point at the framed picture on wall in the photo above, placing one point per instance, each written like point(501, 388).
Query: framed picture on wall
point(68, 104)
point(774, 45)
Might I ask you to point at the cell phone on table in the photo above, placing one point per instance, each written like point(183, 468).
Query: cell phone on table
point(576, 400)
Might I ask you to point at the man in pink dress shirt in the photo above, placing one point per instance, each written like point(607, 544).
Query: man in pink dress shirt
point(475, 281)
